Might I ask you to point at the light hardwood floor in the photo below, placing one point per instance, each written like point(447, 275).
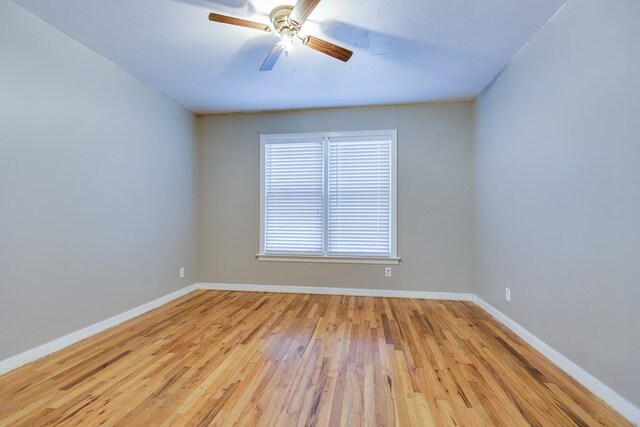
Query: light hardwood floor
point(233, 358)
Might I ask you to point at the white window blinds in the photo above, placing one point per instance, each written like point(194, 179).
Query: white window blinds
point(359, 208)
point(294, 197)
point(329, 195)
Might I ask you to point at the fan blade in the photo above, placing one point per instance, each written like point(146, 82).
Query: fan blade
point(272, 58)
point(215, 17)
point(302, 10)
point(328, 48)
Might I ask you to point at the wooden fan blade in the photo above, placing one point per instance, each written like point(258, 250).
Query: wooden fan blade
point(302, 10)
point(272, 58)
point(328, 48)
point(215, 17)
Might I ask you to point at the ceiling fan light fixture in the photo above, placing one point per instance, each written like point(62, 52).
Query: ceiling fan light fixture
point(286, 43)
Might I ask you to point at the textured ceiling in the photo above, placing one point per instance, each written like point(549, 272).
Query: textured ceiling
point(405, 51)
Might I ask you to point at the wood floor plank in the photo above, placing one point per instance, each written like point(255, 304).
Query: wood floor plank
point(216, 358)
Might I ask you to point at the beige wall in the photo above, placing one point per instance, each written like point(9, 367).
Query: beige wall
point(97, 187)
point(557, 189)
point(434, 198)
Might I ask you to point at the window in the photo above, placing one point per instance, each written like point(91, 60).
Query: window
point(329, 197)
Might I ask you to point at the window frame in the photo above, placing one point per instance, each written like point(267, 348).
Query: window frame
point(283, 138)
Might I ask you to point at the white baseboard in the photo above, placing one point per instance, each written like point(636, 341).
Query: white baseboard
point(320, 290)
point(597, 387)
point(36, 353)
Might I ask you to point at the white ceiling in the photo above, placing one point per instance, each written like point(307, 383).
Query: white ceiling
point(405, 51)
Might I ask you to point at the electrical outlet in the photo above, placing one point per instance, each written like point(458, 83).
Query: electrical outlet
point(387, 272)
point(182, 272)
point(507, 294)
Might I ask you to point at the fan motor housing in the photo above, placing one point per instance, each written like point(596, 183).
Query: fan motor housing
point(281, 22)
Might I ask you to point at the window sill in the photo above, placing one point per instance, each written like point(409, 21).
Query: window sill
point(328, 259)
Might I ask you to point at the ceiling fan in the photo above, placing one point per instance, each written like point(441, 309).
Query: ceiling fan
point(286, 21)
